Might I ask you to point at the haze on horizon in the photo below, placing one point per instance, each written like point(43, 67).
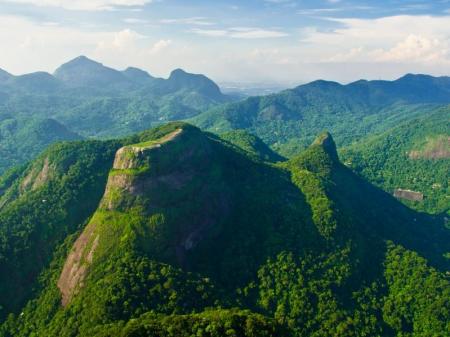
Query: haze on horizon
point(260, 41)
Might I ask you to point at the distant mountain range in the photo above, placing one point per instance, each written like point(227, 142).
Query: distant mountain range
point(93, 100)
point(289, 120)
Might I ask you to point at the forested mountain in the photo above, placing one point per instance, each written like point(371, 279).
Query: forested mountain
point(414, 156)
point(177, 232)
point(288, 121)
point(93, 100)
point(24, 138)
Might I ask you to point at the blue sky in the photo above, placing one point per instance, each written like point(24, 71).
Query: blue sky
point(255, 41)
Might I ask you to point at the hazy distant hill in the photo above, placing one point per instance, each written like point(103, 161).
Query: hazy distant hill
point(97, 101)
point(177, 232)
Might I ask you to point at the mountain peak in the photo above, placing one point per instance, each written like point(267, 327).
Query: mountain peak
point(180, 79)
point(326, 141)
point(82, 71)
point(82, 60)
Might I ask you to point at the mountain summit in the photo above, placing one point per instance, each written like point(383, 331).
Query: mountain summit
point(180, 79)
point(83, 71)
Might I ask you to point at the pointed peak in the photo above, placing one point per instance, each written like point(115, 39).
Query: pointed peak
point(82, 60)
point(326, 141)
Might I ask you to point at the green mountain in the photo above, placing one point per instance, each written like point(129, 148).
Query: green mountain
point(22, 139)
point(137, 75)
point(36, 83)
point(288, 121)
point(93, 100)
point(413, 156)
point(83, 72)
point(177, 232)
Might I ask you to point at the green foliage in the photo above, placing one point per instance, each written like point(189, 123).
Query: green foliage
point(290, 120)
point(33, 222)
point(210, 323)
point(24, 138)
point(251, 144)
point(389, 160)
point(210, 240)
point(418, 302)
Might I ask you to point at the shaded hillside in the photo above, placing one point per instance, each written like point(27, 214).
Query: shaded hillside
point(181, 226)
point(414, 156)
point(22, 139)
point(288, 121)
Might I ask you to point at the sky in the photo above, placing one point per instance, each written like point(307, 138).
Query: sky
point(283, 42)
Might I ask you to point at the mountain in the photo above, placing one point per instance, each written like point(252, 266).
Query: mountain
point(137, 75)
point(179, 80)
point(83, 72)
point(38, 83)
point(177, 232)
point(22, 139)
point(288, 121)
point(413, 156)
point(93, 100)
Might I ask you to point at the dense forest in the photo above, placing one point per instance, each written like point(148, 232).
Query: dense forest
point(289, 121)
point(414, 155)
point(179, 232)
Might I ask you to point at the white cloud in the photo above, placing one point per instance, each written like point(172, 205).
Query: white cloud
point(416, 48)
point(241, 33)
point(160, 46)
point(413, 39)
point(85, 5)
point(119, 41)
point(210, 32)
point(255, 33)
point(134, 21)
point(198, 20)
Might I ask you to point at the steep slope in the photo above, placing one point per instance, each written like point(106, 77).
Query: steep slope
point(189, 222)
point(413, 156)
point(22, 139)
point(40, 205)
point(253, 145)
point(288, 121)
